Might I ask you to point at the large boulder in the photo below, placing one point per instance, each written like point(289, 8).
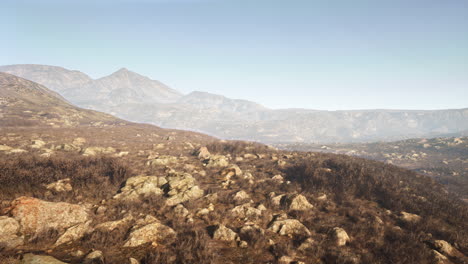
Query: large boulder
point(36, 216)
point(289, 227)
point(180, 187)
point(155, 233)
point(9, 229)
point(141, 186)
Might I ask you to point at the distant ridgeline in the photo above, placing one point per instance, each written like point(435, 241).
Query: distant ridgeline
point(137, 98)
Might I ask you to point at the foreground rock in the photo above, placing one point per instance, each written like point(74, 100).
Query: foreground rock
point(9, 229)
point(36, 216)
point(154, 233)
point(38, 259)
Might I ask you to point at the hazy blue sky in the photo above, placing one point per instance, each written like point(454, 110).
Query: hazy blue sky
point(329, 54)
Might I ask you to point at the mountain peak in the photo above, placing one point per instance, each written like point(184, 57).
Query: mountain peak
point(123, 69)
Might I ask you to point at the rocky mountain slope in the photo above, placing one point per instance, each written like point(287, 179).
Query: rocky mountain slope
point(25, 103)
point(132, 193)
point(137, 98)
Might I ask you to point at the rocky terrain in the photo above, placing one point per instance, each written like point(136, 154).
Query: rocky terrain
point(134, 193)
point(444, 159)
point(133, 97)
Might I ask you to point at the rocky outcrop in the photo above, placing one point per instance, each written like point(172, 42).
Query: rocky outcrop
point(37, 216)
point(180, 187)
point(246, 212)
point(288, 227)
point(141, 186)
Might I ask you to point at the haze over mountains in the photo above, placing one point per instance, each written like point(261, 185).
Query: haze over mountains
point(25, 103)
point(137, 98)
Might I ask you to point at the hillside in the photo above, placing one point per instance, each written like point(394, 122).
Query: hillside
point(133, 193)
point(131, 96)
point(444, 159)
point(25, 103)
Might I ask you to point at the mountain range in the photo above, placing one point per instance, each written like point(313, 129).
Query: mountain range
point(134, 97)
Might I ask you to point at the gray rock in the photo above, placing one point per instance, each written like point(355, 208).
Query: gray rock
point(39, 259)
